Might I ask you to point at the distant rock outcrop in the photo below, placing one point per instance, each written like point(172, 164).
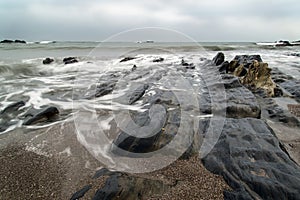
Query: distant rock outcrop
point(48, 61)
point(70, 60)
point(13, 41)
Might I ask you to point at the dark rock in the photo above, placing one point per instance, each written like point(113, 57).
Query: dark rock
point(104, 89)
point(133, 68)
point(219, 59)
point(12, 107)
point(283, 43)
point(123, 186)
point(3, 127)
point(48, 61)
point(127, 59)
point(246, 60)
point(137, 93)
point(293, 87)
point(187, 65)
point(294, 54)
point(232, 66)
point(140, 144)
point(241, 103)
point(9, 114)
point(70, 60)
point(7, 41)
point(230, 81)
point(45, 115)
point(224, 67)
point(79, 194)
point(102, 172)
point(278, 91)
point(191, 66)
point(251, 160)
point(159, 60)
point(20, 41)
point(183, 63)
point(11, 41)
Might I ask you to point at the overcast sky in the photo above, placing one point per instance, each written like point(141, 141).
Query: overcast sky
point(203, 20)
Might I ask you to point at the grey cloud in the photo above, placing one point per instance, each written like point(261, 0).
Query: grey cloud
point(203, 20)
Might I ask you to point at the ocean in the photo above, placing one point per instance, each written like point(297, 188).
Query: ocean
point(24, 77)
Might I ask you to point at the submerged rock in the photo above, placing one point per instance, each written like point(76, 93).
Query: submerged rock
point(247, 60)
point(47, 61)
point(12, 107)
point(9, 115)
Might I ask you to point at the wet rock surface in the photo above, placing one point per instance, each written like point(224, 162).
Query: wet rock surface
point(70, 60)
point(48, 61)
point(250, 158)
point(12, 114)
point(127, 59)
point(42, 116)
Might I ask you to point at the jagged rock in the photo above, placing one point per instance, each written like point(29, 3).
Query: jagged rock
point(42, 116)
point(253, 163)
point(259, 76)
point(79, 194)
point(48, 61)
point(247, 60)
point(224, 66)
point(104, 89)
point(240, 71)
point(70, 60)
point(127, 59)
point(137, 94)
point(7, 41)
point(20, 41)
point(9, 114)
point(219, 59)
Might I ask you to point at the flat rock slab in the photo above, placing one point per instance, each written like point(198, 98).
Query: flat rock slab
point(252, 162)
